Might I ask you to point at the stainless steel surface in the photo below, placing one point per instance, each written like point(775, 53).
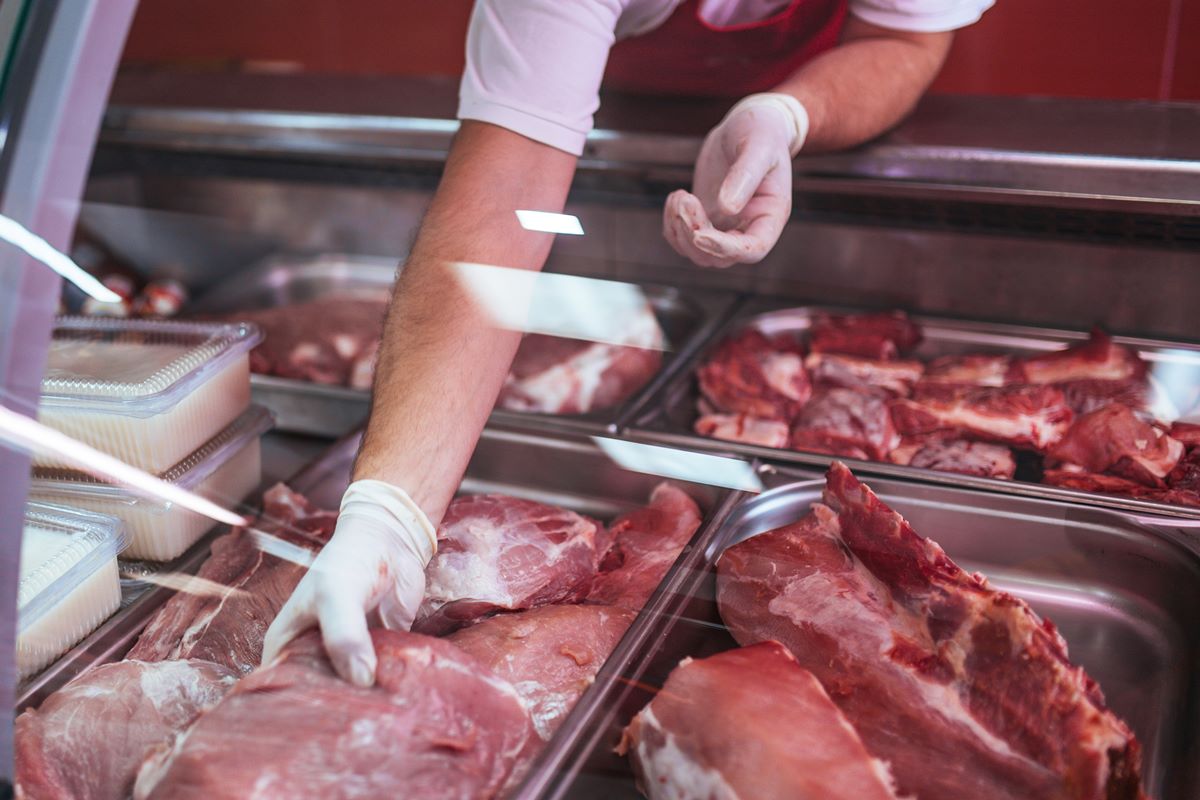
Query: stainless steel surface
point(1124, 596)
point(1174, 369)
point(687, 318)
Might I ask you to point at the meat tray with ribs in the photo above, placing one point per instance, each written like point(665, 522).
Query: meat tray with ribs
point(1091, 416)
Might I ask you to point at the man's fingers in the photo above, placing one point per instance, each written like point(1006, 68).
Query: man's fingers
point(744, 177)
point(347, 641)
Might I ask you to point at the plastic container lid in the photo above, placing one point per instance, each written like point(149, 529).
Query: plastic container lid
point(61, 549)
point(136, 368)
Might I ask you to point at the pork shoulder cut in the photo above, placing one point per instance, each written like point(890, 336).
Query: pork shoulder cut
point(756, 375)
point(1113, 439)
point(843, 422)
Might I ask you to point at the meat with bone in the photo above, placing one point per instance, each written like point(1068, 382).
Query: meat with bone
point(1113, 439)
point(1022, 416)
point(225, 620)
point(436, 724)
point(962, 689)
point(750, 723)
point(755, 375)
point(1186, 432)
point(1079, 480)
point(1091, 374)
point(880, 336)
point(554, 375)
point(969, 370)
point(88, 739)
point(893, 378)
point(956, 455)
point(744, 428)
point(500, 553)
point(646, 543)
point(845, 423)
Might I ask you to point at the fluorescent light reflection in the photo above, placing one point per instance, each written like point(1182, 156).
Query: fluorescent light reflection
point(189, 584)
point(21, 431)
point(38, 248)
point(562, 305)
point(683, 465)
point(549, 222)
point(281, 548)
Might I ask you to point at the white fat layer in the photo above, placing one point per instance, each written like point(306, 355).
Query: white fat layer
point(168, 682)
point(780, 370)
point(672, 774)
point(1022, 426)
point(745, 429)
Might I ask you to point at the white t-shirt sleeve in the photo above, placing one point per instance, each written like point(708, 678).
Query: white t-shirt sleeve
point(920, 16)
point(534, 66)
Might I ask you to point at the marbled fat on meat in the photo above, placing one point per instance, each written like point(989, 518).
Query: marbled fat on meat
point(1033, 417)
point(744, 429)
point(956, 455)
point(750, 724)
point(756, 375)
point(1113, 439)
point(228, 627)
point(887, 378)
point(500, 553)
point(437, 724)
point(88, 739)
point(846, 423)
point(962, 689)
point(969, 370)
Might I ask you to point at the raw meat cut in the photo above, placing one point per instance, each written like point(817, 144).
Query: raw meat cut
point(646, 542)
point(969, 370)
point(754, 375)
point(500, 553)
point(228, 627)
point(744, 428)
point(750, 723)
point(1022, 416)
point(894, 378)
point(436, 724)
point(1082, 481)
point(1186, 475)
point(880, 336)
point(846, 423)
point(962, 689)
point(1091, 374)
point(1186, 432)
point(956, 455)
point(1112, 439)
point(549, 654)
point(88, 739)
point(554, 375)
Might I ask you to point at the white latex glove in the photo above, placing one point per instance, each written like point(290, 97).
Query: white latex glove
point(742, 184)
point(375, 560)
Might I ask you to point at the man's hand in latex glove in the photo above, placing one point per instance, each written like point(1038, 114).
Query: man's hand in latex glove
point(742, 184)
point(375, 560)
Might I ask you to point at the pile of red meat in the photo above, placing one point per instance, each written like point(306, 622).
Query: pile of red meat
point(1081, 413)
point(191, 714)
point(873, 666)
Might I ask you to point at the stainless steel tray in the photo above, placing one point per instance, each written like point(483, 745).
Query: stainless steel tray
point(688, 317)
point(667, 417)
point(1124, 595)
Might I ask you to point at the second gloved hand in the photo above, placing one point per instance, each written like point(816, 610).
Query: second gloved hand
point(375, 561)
point(742, 185)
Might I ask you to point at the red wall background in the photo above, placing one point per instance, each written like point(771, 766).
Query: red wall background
point(1129, 49)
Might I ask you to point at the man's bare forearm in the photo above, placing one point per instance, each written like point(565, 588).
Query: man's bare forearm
point(866, 84)
point(442, 362)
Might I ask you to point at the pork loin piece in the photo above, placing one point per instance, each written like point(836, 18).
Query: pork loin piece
point(962, 689)
point(436, 724)
point(880, 336)
point(88, 739)
point(554, 375)
point(956, 455)
point(500, 553)
point(744, 428)
point(888, 378)
point(646, 542)
point(227, 626)
point(755, 375)
point(843, 422)
point(1113, 439)
point(750, 724)
point(1033, 417)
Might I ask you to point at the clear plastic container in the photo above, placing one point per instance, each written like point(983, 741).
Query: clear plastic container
point(225, 469)
point(146, 391)
point(68, 582)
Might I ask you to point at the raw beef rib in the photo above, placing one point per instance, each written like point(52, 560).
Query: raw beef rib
point(750, 723)
point(504, 553)
point(646, 543)
point(879, 336)
point(1092, 374)
point(1112, 439)
point(843, 422)
point(436, 724)
point(956, 455)
point(88, 739)
point(962, 689)
point(227, 627)
point(890, 378)
point(757, 376)
point(970, 370)
point(1022, 416)
point(744, 428)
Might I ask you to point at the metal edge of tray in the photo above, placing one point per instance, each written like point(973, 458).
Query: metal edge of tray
point(651, 425)
point(581, 734)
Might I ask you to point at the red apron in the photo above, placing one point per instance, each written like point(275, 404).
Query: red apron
point(687, 56)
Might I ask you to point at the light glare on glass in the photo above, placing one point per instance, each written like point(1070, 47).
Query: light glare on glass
point(549, 222)
point(38, 248)
point(681, 465)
